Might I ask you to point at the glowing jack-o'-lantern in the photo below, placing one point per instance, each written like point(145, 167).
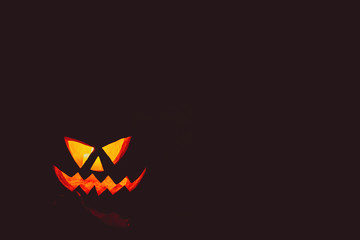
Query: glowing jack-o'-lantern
point(82, 152)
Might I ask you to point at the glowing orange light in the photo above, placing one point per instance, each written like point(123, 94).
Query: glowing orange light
point(79, 151)
point(117, 149)
point(87, 184)
point(97, 166)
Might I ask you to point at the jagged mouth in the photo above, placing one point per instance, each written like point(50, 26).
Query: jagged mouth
point(87, 184)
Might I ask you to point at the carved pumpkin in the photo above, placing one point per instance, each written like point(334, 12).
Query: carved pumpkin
point(88, 158)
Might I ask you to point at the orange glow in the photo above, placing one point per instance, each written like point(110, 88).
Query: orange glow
point(117, 149)
point(87, 184)
point(97, 166)
point(79, 151)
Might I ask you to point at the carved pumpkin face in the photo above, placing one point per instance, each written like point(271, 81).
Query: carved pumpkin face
point(100, 163)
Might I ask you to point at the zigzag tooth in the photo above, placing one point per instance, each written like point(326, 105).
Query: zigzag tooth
point(92, 178)
point(132, 185)
point(88, 183)
point(108, 182)
point(100, 189)
point(102, 186)
point(73, 182)
point(119, 186)
point(63, 178)
point(86, 188)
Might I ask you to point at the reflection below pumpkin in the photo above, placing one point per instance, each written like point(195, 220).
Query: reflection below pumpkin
point(111, 219)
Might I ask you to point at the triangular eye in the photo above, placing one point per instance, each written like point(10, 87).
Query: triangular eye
point(117, 149)
point(79, 151)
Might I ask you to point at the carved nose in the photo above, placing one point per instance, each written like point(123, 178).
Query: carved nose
point(97, 166)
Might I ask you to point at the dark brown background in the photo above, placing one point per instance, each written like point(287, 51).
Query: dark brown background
point(83, 78)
